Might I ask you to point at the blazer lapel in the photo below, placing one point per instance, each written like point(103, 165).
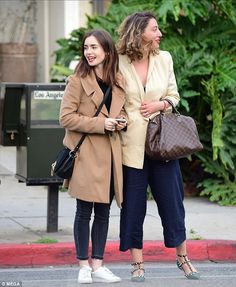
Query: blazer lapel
point(150, 67)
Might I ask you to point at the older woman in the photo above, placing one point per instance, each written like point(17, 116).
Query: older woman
point(150, 80)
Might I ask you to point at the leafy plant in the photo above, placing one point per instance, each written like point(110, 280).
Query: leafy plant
point(201, 36)
point(194, 235)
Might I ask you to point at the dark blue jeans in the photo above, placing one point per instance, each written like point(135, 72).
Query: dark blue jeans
point(165, 180)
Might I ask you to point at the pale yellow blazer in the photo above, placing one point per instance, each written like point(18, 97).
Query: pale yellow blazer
point(161, 83)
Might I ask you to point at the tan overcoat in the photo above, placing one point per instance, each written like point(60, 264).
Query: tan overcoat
point(99, 151)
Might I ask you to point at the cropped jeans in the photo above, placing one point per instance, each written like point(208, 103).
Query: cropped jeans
point(165, 181)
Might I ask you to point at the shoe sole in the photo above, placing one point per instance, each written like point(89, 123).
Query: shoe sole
point(138, 279)
point(193, 276)
point(85, 281)
point(105, 281)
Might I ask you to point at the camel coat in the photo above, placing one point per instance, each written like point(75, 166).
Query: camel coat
point(161, 84)
point(100, 151)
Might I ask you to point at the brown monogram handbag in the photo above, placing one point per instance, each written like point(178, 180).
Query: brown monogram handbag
point(171, 136)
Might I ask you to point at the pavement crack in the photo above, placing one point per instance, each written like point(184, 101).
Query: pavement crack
point(24, 227)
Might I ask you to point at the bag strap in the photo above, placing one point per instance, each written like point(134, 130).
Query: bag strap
point(74, 151)
point(174, 110)
point(103, 101)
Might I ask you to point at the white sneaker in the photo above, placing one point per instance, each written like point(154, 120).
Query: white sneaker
point(103, 274)
point(85, 275)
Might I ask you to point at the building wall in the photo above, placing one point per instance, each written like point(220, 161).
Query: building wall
point(47, 22)
point(54, 22)
point(12, 17)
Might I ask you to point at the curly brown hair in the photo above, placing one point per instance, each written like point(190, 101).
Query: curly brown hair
point(130, 35)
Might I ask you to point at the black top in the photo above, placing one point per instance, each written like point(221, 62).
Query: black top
point(104, 88)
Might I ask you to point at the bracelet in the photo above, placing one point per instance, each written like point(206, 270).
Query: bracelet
point(165, 105)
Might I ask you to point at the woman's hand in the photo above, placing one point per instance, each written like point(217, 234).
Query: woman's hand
point(114, 124)
point(121, 123)
point(148, 108)
point(110, 124)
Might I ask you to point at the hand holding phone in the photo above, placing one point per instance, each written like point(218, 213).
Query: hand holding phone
point(121, 120)
point(121, 123)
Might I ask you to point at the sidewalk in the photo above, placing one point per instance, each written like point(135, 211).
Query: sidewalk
point(211, 229)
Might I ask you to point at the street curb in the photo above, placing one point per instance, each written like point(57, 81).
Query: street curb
point(32, 255)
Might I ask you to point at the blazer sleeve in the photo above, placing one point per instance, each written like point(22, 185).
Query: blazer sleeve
point(70, 118)
point(172, 90)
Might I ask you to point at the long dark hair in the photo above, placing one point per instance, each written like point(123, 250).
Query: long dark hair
point(111, 62)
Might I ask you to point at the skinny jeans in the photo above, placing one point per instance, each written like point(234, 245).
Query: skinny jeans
point(99, 229)
point(165, 181)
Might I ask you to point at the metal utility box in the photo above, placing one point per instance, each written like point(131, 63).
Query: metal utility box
point(42, 135)
point(29, 120)
point(10, 100)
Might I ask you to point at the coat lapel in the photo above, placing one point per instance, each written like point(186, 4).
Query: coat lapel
point(150, 67)
point(91, 87)
point(117, 101)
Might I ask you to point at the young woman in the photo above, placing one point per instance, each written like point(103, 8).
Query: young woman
point(97, 175)
point(150, 80)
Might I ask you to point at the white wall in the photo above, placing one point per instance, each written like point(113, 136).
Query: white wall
point(56, 19)
point(49, 28)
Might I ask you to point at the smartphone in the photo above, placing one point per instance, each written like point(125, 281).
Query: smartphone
point(121, 120)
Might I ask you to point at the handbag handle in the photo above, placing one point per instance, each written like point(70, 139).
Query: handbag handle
point(174, 110)
point(74, 151)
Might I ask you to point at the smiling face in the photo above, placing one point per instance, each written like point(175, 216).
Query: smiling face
point(152, 34)
point(93, 52)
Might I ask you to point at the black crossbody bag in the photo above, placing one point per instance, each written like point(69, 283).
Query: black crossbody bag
point(64, 163)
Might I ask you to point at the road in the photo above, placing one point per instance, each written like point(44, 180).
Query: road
point(158, 275)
